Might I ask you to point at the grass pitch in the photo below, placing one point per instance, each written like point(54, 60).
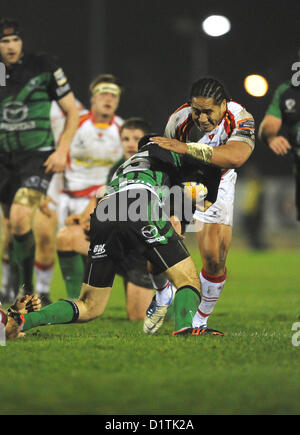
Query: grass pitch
point(110, 367)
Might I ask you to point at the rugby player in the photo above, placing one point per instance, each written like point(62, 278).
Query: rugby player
point(44, 228)
point(280, 128)
point(94, 150)
point(217, 131)
point(114, 232)
point(45, 220)
point(73, 238)
point(28, 154)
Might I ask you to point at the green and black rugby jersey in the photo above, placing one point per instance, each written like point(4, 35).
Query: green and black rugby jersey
point(286, 106)
point(25, 102)
point(155, 168)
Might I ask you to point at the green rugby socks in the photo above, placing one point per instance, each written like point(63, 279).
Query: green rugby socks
point(72, 269)
point(24, 253)
point(186, 302)
point(53, 314)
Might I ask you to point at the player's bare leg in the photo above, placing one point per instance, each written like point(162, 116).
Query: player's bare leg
point(92, 302)
point(137, 300)
point(44, 228)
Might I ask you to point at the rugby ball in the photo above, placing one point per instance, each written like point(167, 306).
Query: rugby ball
point(195, 191)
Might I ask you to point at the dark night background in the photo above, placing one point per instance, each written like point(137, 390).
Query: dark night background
point(157, 49)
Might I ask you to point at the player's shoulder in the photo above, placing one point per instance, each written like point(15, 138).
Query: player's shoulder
point(181, 113)
point(84, 119)
point(118, 121)
point(238, 111)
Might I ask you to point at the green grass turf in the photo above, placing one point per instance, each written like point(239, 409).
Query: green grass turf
point(109, 366)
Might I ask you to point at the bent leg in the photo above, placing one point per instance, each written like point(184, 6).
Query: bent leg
point(187, 298)
point(90, 305)
point(137, 301)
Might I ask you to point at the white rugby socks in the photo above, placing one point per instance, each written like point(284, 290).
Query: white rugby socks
point(212, 287)
point(163, 289)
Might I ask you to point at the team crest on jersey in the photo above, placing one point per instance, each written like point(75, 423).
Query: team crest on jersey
point(149, 231)
point(290, 104)
point(15, 111)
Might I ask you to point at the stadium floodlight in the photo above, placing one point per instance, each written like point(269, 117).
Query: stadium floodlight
point(256, 85)
point(216, 25)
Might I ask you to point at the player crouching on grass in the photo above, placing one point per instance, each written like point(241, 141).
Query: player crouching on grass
point(115, 231)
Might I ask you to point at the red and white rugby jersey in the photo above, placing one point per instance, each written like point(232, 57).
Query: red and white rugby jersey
point(94, 150)
point(237, 124)
point(58, 118)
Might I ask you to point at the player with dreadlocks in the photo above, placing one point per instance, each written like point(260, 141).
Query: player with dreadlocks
point(217, 131)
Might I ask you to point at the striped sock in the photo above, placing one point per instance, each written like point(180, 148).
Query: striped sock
point(212, 287)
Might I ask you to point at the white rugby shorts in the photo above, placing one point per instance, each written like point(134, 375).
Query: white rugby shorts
point(68, 205)
point(221, 212)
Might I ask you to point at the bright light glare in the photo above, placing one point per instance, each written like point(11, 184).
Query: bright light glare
point(256, 85)
point(216, 25)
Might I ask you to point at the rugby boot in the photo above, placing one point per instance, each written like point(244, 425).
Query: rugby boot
point(155, 314)
point(203, 330)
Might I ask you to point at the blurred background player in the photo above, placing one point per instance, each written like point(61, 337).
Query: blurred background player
point(45, 220)
point(44, 228)
point(220, 132)
point(252, 208)
point(28, 155)
point(280, 128)
point(73, 238)
point(95, 148)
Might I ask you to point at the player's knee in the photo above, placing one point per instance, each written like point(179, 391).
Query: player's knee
point(64, 240)
point(44, 238)
point(92, 310)
point(20, 219)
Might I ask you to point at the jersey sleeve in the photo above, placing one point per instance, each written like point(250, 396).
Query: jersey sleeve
point(59, 85)
point(179, 123)
point(244, 130)
point(170, 130)
point(274, 107)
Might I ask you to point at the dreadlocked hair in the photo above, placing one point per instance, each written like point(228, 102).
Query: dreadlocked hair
point(209, 87)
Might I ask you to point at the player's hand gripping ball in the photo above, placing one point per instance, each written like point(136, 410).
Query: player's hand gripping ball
point(197, 192)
